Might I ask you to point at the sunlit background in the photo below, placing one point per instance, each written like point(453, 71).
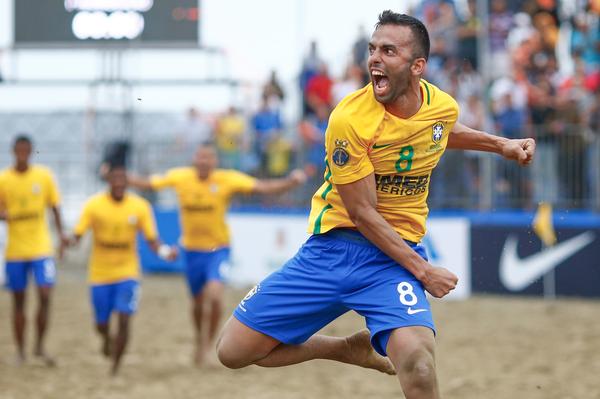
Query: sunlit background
point(145, 81)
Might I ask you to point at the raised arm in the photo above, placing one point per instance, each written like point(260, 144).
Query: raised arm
point(360, 200)
point(139, 182)
point(278, 186)
point(464, 138)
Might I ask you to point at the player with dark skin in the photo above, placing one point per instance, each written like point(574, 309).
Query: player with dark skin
point(22, 150)
point(115, 347)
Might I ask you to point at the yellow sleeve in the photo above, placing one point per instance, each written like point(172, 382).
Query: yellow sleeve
point(160, 182)
point(2, 195)
point(241, 182)
point(53, 198)
point(347, 152)
point(146, 222)
point(85, 220)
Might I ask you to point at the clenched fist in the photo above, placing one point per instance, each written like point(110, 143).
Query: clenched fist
point(439, 281)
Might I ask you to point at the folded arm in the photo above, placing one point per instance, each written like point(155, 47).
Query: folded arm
point(360, 200)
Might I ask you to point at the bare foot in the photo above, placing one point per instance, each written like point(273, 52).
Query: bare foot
point(361, 353)
point(211, 361)
point(114, 370)
point(44, 358)
point(19, 360)
point(199, 356)
point(105, 348)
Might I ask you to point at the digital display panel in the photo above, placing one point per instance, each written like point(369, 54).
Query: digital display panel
point(99, 22)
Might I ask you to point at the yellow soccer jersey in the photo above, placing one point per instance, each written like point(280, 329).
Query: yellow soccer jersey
point(363, 138)
point(203, 203)
point(114, 227)
point(25, 197)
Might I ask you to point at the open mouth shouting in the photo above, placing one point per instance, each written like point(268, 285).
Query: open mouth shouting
point(381, 82)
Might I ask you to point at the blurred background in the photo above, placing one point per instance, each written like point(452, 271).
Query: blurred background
point(142, 82)
point(151, 79)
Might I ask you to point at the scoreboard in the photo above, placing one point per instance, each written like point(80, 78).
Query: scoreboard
point(41, 23)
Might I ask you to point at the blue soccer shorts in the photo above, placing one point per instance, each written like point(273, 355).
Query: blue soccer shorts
point(17, 273)
point(331, 274)
point(202, 267)
point(121, 297)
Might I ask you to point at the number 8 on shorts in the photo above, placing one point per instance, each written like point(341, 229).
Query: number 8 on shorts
point(407, 296)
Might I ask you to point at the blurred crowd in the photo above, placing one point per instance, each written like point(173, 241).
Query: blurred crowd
point(528, 68)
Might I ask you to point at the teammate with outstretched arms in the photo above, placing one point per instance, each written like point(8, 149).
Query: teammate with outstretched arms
point(115, 217)
point(367, 221)
point(204, 193)
point(26, 193)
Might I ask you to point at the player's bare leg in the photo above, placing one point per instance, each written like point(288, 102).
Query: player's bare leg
point(198, 315)
point(19, 324)
point(42, 326)
point(412, 351)
point(240, 346)
point(212, 308)
point(120, 341)
point(104, 331)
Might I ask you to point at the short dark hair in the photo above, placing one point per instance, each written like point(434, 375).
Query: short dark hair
point(112, 167)
point(419, 31)
point(22, 138)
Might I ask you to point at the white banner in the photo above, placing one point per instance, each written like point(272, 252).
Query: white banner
point(448, 245)
point(263, 243)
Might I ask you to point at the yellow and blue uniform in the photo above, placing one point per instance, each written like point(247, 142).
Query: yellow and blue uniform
point(203, 205)
point(114, 266)
point(25, 198)
point(338, 269)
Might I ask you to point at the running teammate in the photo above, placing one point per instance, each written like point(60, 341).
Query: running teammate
point(115, 217)
point(204, 193)
point(366, 221)
point(26, 191)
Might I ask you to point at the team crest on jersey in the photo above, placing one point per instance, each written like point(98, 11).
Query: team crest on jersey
point(36, 188)
point(340, 154)
point(132, 219)
point(213, 188)
point(438, 132)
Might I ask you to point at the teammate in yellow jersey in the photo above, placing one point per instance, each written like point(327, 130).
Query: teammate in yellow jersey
point(366, 221)
point(204, 192)
point(115, 217)
point(26, 191)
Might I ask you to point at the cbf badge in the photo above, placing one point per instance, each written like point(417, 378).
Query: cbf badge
point(340, 154)
point(438, 132)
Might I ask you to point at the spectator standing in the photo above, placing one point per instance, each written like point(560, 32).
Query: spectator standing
point(310, 67)
point(197, 128)
point(318, 90)
point(229, 136)
point(273, 91)
point(266, 124)
point(500, 23)
point(512, 184)
point(467, 33)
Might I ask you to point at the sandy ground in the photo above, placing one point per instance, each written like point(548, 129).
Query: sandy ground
point(488, 347)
